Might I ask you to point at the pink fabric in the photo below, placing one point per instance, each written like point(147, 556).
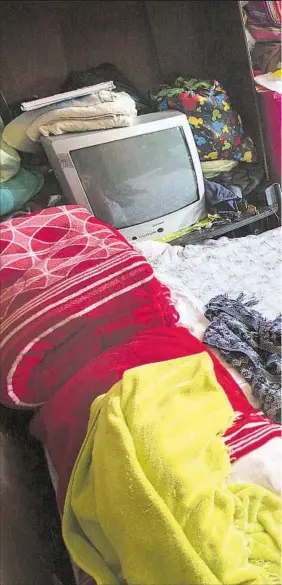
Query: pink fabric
point(272, 113)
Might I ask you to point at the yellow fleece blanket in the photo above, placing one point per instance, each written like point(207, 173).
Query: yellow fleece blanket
point(148, 501)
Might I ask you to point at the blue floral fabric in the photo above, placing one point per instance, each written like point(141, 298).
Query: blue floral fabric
point(216, 127)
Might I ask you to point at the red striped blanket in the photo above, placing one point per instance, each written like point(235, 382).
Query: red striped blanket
point(70, 287)
point(61, 423)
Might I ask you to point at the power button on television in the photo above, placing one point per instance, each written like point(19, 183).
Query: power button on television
point(160, 230)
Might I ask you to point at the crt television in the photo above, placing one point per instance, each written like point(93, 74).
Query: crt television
point(145, 180)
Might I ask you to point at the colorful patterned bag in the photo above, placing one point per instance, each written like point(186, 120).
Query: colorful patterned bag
point(216, 127)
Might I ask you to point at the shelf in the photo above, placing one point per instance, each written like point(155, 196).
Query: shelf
point(214, 232)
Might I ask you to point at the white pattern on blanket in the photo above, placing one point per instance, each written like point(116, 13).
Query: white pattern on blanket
point(197, 273)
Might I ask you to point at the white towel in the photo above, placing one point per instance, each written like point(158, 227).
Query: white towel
point(107, 109)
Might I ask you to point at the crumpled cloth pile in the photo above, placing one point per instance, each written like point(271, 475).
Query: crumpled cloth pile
point(98, 111)
point(250, 343)
point(226, 202)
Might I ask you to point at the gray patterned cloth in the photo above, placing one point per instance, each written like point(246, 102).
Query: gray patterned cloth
point(250, 343)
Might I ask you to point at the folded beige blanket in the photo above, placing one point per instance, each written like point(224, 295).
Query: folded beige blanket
point(107, 109)
point(81, 125)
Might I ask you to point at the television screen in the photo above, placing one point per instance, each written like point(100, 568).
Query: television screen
point(137, 179)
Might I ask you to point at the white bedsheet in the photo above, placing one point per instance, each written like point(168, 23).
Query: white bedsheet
point(197, 273)
point(251, 265)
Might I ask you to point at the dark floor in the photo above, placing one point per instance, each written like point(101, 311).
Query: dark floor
point(32, 550)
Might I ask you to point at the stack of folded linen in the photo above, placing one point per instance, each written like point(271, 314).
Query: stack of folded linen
point(97, 111)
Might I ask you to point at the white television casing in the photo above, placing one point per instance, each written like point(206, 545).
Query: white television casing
point(58, 149)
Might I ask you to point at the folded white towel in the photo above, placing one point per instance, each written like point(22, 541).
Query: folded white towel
point(107, 109)
point(83, 125)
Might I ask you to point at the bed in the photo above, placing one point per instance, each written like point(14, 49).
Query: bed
point(191, 274)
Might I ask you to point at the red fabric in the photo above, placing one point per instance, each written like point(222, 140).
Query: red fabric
point(71, 286)
point(62, 422)
point(264, 20)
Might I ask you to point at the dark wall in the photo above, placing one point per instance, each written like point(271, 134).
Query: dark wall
point(184, 37)
point(150, 41)
point(206, 39)
point(32, 56)
point(112, 31)
point(43, 41)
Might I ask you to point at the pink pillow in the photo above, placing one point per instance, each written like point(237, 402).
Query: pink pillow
point(71, 286)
